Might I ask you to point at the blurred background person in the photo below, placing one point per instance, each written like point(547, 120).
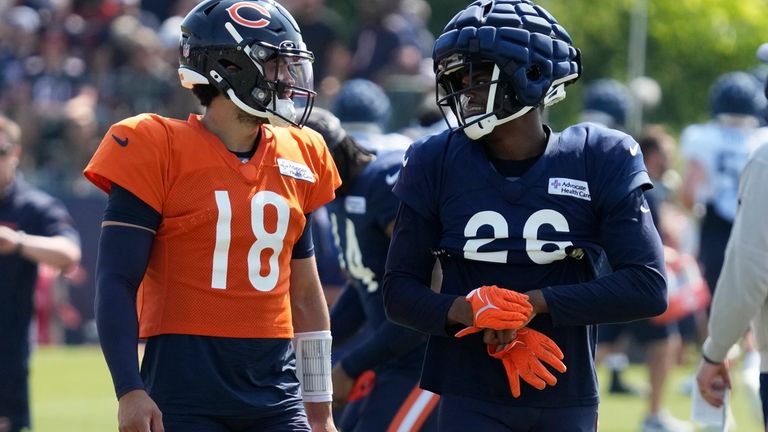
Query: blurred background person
point(608, 102)
point(377, 362)
point(741, 295)
point(392, 46)
point(364, 110)
point(715, 154)
point(35, 229)
point(325, 35)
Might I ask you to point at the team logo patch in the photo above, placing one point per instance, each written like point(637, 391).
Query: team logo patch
point(296, 170)
point(240, 14)
point(569, 187)
point(355, 204)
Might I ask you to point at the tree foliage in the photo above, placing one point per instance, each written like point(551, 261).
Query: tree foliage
point(689, 44)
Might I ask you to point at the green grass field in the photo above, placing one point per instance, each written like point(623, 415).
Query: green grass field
point(72, 392)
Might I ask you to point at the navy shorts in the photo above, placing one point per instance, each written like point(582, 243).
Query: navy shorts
point(233, 384)
point(286, 421)
point(459, 414)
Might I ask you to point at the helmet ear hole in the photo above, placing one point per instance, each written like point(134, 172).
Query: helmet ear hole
point(230, 66)
point(533, 73)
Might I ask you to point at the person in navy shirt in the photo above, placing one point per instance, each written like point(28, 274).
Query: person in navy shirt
point(376, 373)
point(540, 234)
point(35, 228)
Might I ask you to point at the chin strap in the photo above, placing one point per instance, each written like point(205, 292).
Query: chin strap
point(283, 116)
point(313, 365)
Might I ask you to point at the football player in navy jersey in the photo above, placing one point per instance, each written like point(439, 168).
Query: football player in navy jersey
point(540, 234)
point(715, 153)
point(376, 374)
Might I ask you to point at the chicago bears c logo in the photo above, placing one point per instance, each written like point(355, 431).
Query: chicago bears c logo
point(234, 13)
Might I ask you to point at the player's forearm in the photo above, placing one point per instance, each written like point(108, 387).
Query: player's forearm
point(308, 306)
point(460, 313)
point(741, 292)
point(625, 295)
point(118, 335)
point(410, 303)
point(538, 301)
point(59, 252)
point(310, 314)
point(123, 256)
point(408, 297)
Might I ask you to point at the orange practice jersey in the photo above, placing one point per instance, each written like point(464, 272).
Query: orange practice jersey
point(220, 262)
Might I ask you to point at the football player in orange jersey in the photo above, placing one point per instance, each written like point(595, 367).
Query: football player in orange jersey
point(205, 249)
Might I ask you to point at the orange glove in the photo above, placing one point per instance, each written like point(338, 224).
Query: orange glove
point(498, 309)
point(525, 357)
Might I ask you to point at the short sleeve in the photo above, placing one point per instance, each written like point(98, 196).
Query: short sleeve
point(416, 185)
point(616, 168)
point(134, 153)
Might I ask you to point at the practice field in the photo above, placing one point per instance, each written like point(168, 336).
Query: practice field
point(72, 392)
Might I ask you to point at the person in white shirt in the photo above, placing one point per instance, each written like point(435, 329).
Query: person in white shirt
point(741, 295)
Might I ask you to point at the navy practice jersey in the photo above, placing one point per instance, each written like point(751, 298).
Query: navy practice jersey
point(360, 219)
point(549, 229)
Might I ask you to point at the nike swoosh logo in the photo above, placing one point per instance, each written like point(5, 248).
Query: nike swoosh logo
point(405, 161)
point(633, 150)
point(644, 208)
point(122, 142)
point(392, 178)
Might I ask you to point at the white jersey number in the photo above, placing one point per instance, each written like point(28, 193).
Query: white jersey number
point(265, 240)
point(500, 229)
point(351, 257)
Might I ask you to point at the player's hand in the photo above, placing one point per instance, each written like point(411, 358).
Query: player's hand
point(525, 358)
point(137, 412)
point(498, 337)
point(342, 385)
point(713, 379)
point(498, 309)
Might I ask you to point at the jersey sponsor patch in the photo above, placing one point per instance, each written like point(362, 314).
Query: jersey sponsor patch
point(296, 170)
point(354, 204)
point(569, 187)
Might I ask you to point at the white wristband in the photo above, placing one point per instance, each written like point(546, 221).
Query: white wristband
point(313, 365)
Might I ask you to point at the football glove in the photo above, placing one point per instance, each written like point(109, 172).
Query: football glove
point(498, 309)
point(525, 358)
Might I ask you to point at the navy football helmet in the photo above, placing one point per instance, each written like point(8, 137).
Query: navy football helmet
point(513, 51)
point(362, 101)
point(253, 52)
point(607, 101)
point(737, 93)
